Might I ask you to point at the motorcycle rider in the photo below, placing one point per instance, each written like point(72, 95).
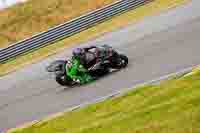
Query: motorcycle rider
point(96, 57)
point(82, 59)
point(77, 71)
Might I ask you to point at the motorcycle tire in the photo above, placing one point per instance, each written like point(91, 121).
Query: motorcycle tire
point(64, 81)
point(122, 62)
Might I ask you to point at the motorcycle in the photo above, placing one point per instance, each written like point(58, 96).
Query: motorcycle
point(111, 60)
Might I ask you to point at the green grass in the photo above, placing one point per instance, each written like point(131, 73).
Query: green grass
point(34, 16)
point(173, 106)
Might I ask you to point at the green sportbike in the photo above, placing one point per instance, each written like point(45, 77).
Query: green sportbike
point(71, 72)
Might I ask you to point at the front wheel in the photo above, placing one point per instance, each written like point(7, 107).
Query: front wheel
point(64, 81)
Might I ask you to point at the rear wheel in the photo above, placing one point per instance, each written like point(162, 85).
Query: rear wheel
point(124, 60)
point(120, 62)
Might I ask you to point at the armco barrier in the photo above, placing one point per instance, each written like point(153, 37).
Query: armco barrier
point(68, 29)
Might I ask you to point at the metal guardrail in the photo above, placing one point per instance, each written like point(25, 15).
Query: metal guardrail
point(68, 29)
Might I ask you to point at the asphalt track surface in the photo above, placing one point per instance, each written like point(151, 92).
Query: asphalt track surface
point(157, 46)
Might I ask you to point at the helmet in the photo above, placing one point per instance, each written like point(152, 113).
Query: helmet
point(77, 52)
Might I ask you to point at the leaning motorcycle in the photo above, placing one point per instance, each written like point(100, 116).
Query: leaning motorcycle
point(112, 60)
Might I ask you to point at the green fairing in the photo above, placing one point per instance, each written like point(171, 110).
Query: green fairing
point(78, 72)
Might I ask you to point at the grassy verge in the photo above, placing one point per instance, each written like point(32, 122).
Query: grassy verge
point(171, 107)
point(117, 22)
point(34, 16)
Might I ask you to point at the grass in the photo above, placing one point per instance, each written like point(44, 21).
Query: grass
point(34, 16)
point(170, 107)
point(115, 23)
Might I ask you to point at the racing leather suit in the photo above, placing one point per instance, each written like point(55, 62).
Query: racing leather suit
point(96, 57)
